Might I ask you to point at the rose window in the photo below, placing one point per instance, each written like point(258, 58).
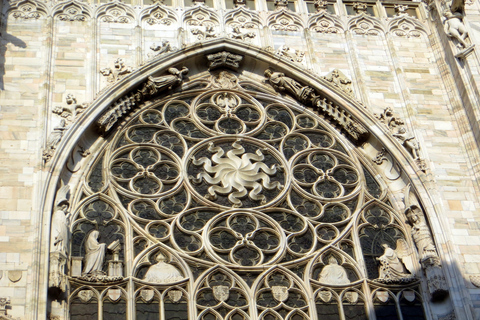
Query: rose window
point(226, 201)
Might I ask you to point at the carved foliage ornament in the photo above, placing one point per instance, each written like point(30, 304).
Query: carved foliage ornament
point(224, 59)
point(159, 15)
point(325, 23)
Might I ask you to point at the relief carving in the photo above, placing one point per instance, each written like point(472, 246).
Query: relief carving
point(290, 54)
point(71, 112)
point(4, 305)
point(118, 72)
point(209, 33)
point(224, 59)
point(152, 86)
point(406, 27)
point(365, 25)
point(164, 47)
point(408, 141)
point(337, 78)
point(237, 34)
point(307, 95)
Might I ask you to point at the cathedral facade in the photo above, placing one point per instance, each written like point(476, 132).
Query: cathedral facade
point(239, 159)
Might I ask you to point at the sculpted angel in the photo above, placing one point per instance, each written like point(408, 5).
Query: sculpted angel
point(392, 268)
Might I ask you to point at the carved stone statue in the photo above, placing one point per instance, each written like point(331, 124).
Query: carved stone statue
point(421, 233)
point(53, 140)
point(333, 273)
point(389, 118)
point(340, 80)
point(162, 272)
point(408, 141)
point(94, 255)
point(60, 223)
point(392, 269)
point(454, 27)
point(280, 82)
point(157, 84)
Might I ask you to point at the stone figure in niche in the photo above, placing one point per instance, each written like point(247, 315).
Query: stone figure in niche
point(157, 84)
point(455, 28)
point(421, 233)
point(94, 255)
point(60, 224)
point(162, 272)
point(53, 140)
point(408, 141)
point(392, 269)
point(333, 273)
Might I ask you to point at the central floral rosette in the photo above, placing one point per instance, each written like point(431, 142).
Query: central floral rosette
point(229, 171)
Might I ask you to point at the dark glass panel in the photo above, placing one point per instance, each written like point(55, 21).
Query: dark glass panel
point(328, 311)
point(412, 310)
point(355, 311)
point(386, 311)
point(176, 311)
point(147, 310)
point(114, 310)
point(80, 310)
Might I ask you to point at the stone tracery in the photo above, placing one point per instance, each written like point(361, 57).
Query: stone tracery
point(296, 191)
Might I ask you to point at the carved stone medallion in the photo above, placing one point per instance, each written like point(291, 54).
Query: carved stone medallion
point(280, 293)
point(221, 293)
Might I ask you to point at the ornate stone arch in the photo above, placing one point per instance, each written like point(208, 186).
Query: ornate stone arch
point(158, 14)
point(363, 24)
point(115, 12)
point(72, 10)
point(404, 26)
point(28, 9)
point(325, 22)
point(314, 127)
point(285, 20)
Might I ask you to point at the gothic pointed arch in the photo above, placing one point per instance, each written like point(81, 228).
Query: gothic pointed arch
point(404, 26)
point(72, 10)
point(28, 10)
point(285, 20)
point(364, 24)
point(201, 23)
point(325, 22)
point(224, 192)
point(158, 14)
point(115, 12)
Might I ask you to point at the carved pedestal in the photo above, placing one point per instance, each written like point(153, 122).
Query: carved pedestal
point(57, 279)
point(115, 268)
point(435, 278)
point(76, 270)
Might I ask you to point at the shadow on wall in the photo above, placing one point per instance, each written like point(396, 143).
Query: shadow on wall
point(5, 39)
